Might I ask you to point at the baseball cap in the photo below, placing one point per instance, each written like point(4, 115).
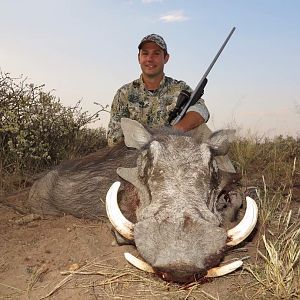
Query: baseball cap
point(157, 39)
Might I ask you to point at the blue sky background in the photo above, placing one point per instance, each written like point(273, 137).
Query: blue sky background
point(88, 49)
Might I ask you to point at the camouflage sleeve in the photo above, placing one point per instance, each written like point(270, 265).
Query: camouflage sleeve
point(199, 106)
point(201, 109)
point(118, 110)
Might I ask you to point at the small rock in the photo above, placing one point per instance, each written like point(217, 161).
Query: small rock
point(27, 219)
point(74, 267)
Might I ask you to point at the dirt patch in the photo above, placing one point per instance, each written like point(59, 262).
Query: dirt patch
point(70, 258)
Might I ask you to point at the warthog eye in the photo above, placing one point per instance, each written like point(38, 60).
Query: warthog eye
point(222, 200)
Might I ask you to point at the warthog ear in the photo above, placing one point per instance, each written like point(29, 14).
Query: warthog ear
point(219, 141)
point(135, 135)
point(129, 174)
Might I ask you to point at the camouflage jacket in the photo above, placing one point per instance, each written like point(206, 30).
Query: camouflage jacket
point(150, 108)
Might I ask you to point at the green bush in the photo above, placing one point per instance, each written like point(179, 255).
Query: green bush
point(37, 131)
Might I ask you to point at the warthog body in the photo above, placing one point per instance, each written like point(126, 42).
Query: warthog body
point(173, 190)
point(78, 187)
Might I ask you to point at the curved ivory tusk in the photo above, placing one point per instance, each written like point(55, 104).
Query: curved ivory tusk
point(241, 231)
point(117, 219)
point(214, 272)
point(138, 263)
point(223, 270)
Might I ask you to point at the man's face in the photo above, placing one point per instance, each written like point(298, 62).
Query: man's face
point(152, 59)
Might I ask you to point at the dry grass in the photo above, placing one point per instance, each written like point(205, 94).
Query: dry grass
point(255, 157)
point(100, 280)
point(276, 271)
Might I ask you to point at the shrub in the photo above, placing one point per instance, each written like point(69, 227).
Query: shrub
point(37, 131)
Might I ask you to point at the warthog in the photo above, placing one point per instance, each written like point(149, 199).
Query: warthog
point(174, 196)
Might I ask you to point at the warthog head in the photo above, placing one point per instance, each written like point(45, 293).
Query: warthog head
point(178, 230)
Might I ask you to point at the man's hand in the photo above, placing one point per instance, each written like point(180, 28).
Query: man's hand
point(190, 121)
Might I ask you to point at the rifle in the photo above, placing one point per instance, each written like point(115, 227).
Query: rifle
point(186, 99)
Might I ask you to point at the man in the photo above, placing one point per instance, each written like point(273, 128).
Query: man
point(150, 98)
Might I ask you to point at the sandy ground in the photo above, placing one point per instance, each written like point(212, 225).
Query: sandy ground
point(70, 258)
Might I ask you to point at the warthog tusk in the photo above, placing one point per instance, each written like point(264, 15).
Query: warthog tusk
point(214, 272)
point(223, 270)
point(241, 231)
point(138, 263)
point(117, 219)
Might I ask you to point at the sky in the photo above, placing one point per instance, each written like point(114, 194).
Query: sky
point(87, 49)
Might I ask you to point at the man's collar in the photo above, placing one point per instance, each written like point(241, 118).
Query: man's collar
point(161, 84)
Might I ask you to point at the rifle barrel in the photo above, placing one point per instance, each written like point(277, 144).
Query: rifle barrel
point(182, 113)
